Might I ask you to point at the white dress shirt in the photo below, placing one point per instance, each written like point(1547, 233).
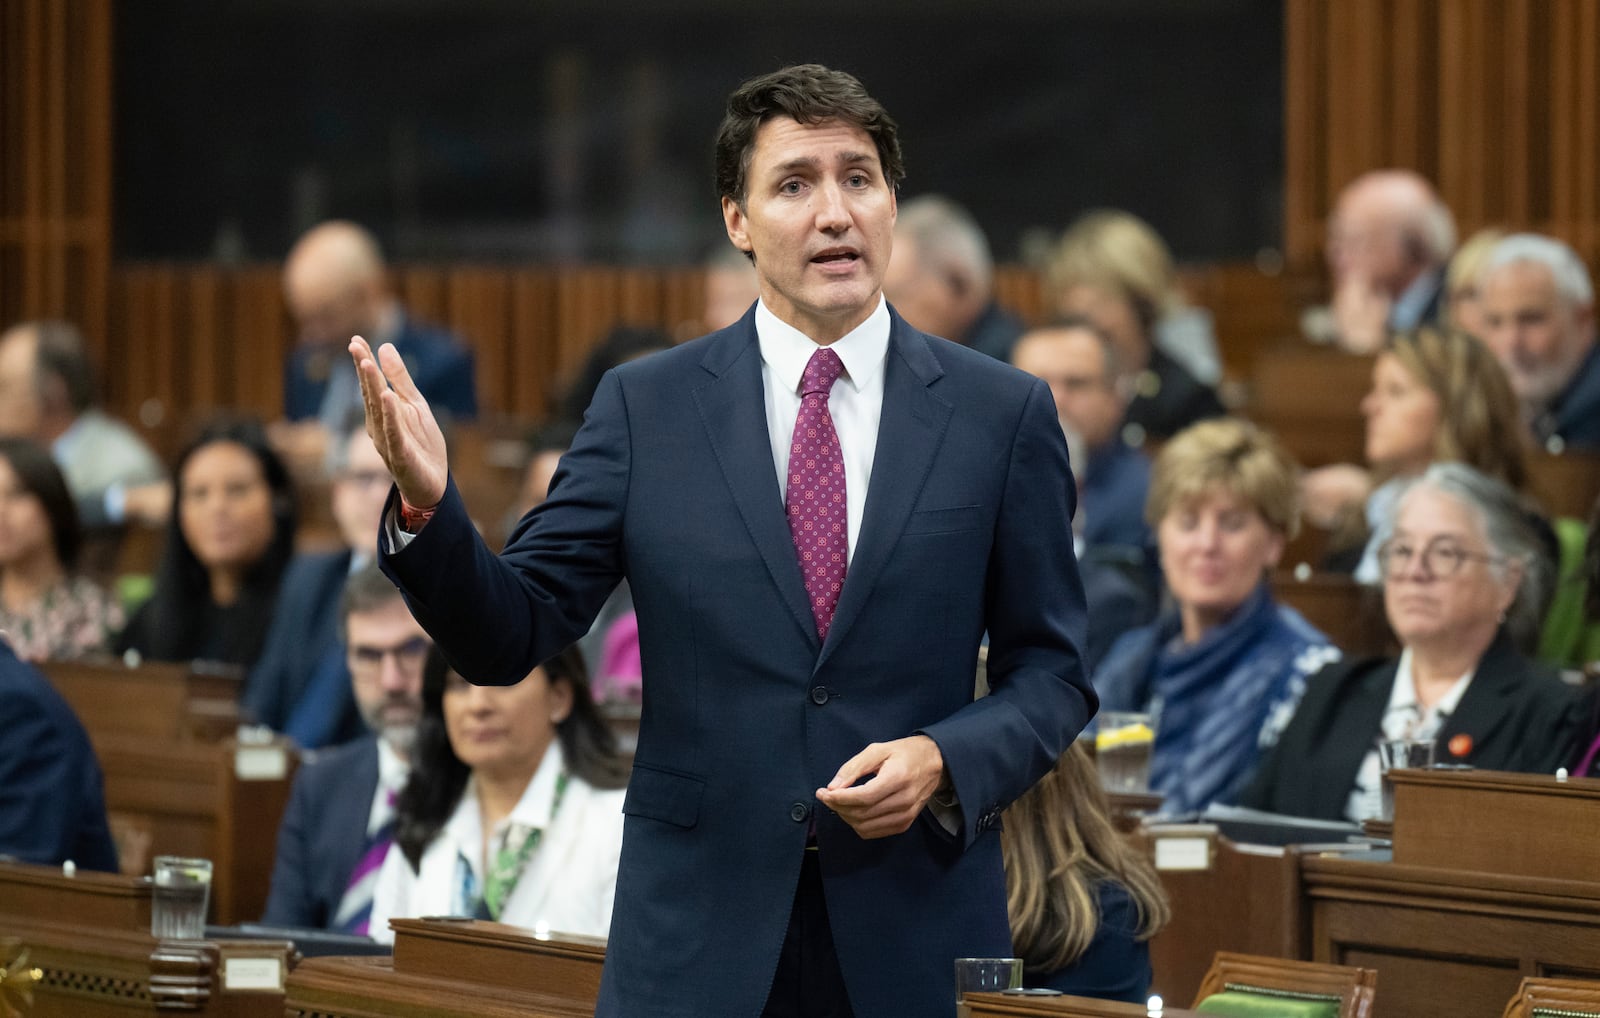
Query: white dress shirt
point(855, 402)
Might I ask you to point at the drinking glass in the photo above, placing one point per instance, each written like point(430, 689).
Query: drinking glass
point(1122, 746)
point(182, 892)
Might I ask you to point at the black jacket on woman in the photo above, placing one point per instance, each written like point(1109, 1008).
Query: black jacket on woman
point(1516, 715)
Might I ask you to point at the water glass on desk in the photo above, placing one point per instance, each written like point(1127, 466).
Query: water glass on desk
point(180, 897)
point(1398, 754)
point(987, 975)
point(1122, 745)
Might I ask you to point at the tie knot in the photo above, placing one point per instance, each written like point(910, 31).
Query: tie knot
point(822, 370)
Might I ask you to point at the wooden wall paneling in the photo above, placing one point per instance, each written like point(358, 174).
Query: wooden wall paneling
point(1305, 110)
point(260, 334)
point(532, 365)
point(1019, 289)
point(479, 298)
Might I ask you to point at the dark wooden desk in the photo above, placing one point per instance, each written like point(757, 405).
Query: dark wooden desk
point(455, 969)
point(999, 1005)
point(89, 935)
point(176, 781)
point(1495, 877)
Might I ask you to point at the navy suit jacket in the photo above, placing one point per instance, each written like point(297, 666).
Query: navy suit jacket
point(52, 802)
point(440, 364)
point(671, 483)
point(323, 834)
point(304, 630)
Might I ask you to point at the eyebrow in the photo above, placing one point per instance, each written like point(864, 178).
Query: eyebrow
point(813, 163)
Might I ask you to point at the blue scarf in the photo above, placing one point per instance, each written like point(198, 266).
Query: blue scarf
point(1214, 697)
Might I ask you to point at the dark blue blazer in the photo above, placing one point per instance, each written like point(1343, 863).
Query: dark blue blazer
point(52, 803)
point(304, 636)
point(670, 483)
point(440, 364)
point(323, 834)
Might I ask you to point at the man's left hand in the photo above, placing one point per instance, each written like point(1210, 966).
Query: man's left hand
point(904, 773)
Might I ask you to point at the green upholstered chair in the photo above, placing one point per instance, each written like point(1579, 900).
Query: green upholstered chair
point(1250, 986)
point(1555, 998)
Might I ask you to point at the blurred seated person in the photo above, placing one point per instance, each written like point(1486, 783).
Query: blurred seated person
point(1084, 902)
point(545, 445)
point(513, 811)
point(47, 393)
point(1463, 295)
point(622, 344)
point(230, 536)
point(1436, 397)
point(1588, 764)
point(1390, 238)
point(340, 820)
point(52, 804)
point(1539, 319)
point(1113, 269)
point(47, 611)
point(336, 286)
point(300, 686)
point(941, 277)
point(1077, 359)
point(1465, 576)
point(731, 287)
point(1223, 668)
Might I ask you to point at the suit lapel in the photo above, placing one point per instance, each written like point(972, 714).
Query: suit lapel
point(731, 407)
point(1357, 720)
point(909, 433)
point(1482, 708)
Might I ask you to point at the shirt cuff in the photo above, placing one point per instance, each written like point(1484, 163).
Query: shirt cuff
point(398, 537)
point(947, 812)
point(116, 503)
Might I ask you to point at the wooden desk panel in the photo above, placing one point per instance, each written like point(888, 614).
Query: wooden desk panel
point(446, 968)
point(1449, 942)
point(999, 1005)
point(89, 935)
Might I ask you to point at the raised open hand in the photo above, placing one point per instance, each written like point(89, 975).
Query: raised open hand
point(401, 424)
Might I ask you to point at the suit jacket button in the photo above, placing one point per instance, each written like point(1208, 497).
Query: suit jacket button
point(799, 812)
point(819, 695)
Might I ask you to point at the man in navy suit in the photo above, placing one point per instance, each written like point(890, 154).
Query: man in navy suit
point(340, 805)
point(812, 811)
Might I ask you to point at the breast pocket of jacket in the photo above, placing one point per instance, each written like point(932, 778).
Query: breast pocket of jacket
point(950, 520)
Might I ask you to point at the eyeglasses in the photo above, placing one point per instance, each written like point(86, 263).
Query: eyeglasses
point(408, 655)
point(1441, 557)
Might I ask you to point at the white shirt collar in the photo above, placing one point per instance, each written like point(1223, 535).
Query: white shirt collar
point(787, 350)
point(1403, 694)
point(392, 768)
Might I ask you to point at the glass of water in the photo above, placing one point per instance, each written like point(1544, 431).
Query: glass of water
point(181, 894)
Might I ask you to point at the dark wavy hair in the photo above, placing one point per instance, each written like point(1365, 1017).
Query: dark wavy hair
point(41, 478)
point(807, 94)
point(438, 777)
point(172, 622)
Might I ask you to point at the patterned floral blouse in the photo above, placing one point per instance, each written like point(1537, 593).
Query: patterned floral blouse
point(75, 618)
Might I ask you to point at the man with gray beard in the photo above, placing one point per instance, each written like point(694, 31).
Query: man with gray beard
point(340, 819)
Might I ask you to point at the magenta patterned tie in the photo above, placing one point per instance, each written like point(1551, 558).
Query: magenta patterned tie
point(815, 501)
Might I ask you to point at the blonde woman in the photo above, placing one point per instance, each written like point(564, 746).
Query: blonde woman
point(1083, 902)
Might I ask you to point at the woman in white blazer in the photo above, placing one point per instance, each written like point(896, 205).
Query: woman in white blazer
point(513, 811)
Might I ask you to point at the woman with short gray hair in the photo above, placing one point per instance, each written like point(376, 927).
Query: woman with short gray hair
point(1465, 573)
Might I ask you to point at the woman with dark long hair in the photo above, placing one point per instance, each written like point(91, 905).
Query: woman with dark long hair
point(513, 810)
point(47, 610)
point(230, 535)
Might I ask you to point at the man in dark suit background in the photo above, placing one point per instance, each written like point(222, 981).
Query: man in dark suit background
point(341, 807)
point(336, 284)
point(301, 684)
point(820, 512)
point(52, 800)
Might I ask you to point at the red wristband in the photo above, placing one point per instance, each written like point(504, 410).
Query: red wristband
point(412, 518)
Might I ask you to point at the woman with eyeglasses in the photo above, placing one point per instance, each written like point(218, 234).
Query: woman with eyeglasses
point(1466, 576)
point(513, 809)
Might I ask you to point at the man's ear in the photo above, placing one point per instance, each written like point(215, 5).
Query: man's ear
point(734, 219)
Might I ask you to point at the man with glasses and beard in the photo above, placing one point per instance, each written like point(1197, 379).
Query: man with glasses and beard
point(340, 819)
